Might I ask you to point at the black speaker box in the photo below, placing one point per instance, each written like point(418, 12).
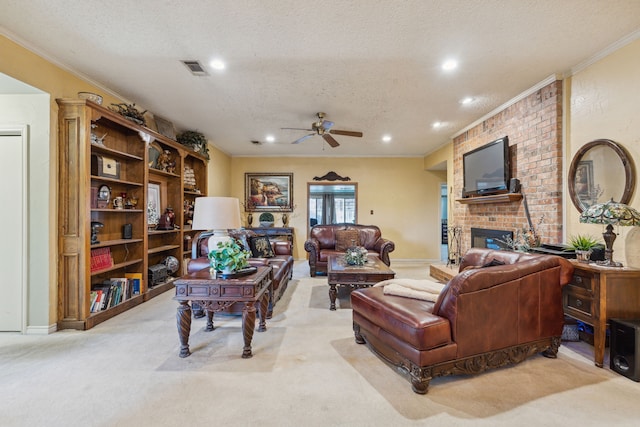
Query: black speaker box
point(624, 357)
point(127, 231)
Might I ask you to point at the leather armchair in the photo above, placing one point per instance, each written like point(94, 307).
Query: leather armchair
point(322, 243)
point(487, 316)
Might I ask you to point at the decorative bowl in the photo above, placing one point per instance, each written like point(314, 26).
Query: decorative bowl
point(266, 224)
point(93, 97)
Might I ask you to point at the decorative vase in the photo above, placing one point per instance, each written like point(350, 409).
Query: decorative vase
point(285, 219)
point(583, 256)
point(250, 220)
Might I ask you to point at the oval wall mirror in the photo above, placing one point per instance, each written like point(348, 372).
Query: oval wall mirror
point(600, 171)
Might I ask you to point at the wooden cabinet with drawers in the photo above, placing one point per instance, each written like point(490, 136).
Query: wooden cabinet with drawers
point(597, 294)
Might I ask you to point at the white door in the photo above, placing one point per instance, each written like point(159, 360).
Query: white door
point(12, 244)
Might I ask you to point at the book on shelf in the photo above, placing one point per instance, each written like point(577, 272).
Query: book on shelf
point(136, 283)
point(101, 258)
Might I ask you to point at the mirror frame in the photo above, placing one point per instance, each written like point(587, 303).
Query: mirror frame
point(627, 162)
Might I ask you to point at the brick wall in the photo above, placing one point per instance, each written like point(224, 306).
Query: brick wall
point(534, 128)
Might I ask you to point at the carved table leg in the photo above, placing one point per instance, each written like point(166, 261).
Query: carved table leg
point(210, 326)
point(248, 325)
point(183, 317)
point(333, 292)
point(264, 303)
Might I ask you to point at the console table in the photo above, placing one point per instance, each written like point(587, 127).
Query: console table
point(597, 294)
point(284, 233)
point(215, 294)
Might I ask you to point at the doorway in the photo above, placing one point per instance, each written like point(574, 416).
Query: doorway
point(13, 253)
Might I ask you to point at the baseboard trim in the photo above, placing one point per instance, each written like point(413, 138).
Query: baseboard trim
point(41, 330)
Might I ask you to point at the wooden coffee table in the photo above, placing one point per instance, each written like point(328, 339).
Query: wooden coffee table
point(353, 276)
point(215, 294)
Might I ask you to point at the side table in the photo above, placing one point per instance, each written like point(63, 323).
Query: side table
point(597, 294)
point(215, 294)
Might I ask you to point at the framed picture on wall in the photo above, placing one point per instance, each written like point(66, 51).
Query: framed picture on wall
point(153, 204)
point(268, 192)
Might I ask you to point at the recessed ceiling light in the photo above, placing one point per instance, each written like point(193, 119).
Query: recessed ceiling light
point(270, 138)
point(449, 64)
point(386, 138)
point(437, 125)
point(217, 64)
point(467, 100)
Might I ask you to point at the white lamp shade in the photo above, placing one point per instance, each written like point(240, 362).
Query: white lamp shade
point(216, 213)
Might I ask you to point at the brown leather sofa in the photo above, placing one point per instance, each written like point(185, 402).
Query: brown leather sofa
point(323, 241)
point(487, 316)
point(281, 262)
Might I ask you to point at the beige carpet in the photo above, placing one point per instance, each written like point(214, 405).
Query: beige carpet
point(306, 371)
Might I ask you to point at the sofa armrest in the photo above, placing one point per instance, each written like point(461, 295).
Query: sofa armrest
point(198, 264)
point(281, 247)
point(384, 247)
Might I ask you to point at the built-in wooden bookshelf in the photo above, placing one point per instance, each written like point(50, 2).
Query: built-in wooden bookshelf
point(99, 148)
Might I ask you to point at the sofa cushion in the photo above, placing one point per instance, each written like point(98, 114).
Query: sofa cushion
point(405, 318)
point(347, 238)
point(260, 247)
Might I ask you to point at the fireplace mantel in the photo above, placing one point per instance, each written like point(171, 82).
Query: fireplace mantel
point(495, 198)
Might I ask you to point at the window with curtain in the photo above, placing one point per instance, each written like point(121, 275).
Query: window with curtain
point(332, 203)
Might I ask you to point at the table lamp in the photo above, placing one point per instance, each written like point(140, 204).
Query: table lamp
point(218, 214)
point(610, 213)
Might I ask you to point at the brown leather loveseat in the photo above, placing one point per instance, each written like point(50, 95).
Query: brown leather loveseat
point(281, 261)
point(487, 316)
point(333, 239)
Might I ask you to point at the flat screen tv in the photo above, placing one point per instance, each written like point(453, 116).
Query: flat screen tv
point(486, 169)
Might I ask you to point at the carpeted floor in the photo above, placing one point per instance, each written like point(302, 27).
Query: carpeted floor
point(306, 371)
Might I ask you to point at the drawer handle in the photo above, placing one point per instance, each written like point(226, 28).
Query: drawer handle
point(578, 279)
point(578, 303)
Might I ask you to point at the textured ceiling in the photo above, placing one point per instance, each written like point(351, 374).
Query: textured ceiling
point(372, 66)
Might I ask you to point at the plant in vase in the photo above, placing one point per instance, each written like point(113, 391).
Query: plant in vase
point(195, 141)
point(229, 257)
point(266, 219)
point(356, 255)
point(583, 246)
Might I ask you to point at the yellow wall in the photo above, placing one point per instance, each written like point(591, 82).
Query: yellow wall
point(602, 102)
point(402, 195)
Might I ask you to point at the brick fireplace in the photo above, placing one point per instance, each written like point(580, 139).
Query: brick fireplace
point(534, 127)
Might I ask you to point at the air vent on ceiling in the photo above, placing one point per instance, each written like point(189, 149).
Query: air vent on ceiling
point(195, 67)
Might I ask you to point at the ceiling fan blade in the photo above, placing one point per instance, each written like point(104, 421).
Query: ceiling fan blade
point(309, 130)
point(346, 133)
point(299, 140)
point(326, 125)
point(330, 140)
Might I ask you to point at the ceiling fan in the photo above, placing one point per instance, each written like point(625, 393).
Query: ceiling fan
point(323, 127)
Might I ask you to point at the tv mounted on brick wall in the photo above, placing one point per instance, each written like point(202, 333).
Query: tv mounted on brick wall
point(486, 169)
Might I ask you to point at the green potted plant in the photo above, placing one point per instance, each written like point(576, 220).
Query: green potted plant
point(229, 257)
point(266, 219)
point(583, 245)
point(195, 141)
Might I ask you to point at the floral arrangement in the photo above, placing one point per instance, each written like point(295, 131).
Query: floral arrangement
point(356, 255)
point(524, 239)
point(229, 256)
